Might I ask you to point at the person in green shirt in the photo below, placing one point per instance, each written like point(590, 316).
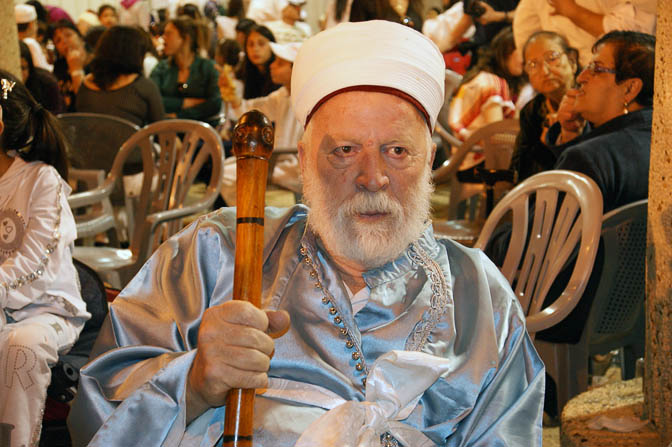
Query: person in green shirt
point(187, 82)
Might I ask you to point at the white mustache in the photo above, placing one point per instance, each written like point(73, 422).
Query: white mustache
point(369, 203)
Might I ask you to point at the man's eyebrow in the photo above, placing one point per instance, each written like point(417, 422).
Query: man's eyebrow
point(327, 142)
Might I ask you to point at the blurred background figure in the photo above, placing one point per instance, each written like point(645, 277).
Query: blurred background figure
point(255, 68)
point(278, 108)
point(582, 25)
point(226, 24)
point(116, 85)
point(338, 11)
point(107, 15)
point(187, 82)
point(551, 66)
point(290, 28)
point(26, 22)
point(41, 83)
point(87, 20)
point(407, 12)
point(135, 13)
point(489, 89)
point(73, 57)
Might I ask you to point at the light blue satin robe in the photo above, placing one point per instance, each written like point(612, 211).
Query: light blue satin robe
point(133, 391)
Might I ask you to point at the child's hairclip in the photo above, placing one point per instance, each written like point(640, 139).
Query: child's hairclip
point(6, 86)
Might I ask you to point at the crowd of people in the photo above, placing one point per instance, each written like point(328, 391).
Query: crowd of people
point(368, 319)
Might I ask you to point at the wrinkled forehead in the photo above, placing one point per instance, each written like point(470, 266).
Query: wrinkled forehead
point(359, 115)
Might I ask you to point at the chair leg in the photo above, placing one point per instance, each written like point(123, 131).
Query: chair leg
point(568, 367)
point(629, 356)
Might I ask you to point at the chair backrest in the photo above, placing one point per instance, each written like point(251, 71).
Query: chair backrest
point(537, 253)
point(95, 138)
point(617, 308)
point(451, 82)
point(496, 141)
point(173, 152)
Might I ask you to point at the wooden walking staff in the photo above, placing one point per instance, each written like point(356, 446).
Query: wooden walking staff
point(252, 146)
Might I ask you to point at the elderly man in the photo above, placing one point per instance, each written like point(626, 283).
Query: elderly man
point(385, 335)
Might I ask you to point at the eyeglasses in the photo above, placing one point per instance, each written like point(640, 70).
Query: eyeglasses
point(550, 58)
point(594, 69)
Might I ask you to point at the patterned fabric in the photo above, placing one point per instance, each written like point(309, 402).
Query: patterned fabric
point(41, 308)
point(474, 98)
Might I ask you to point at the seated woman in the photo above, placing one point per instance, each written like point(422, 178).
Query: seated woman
point(615, 101)
point(41, 84)
point(255, 69)
point(41, 309)
point(551, 65)
point(72, 62)
point(187, 82)
point(606, 127)
point(488, 90)
point(116, 85)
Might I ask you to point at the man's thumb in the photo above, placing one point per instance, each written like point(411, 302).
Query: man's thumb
point(278, 322)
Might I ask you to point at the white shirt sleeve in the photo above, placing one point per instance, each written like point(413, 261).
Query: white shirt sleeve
point(636, 15)
point(32, 269)
point(526, 21)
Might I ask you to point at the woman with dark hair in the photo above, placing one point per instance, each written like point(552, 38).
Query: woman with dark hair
point(551, 65)
point(41, 309)
point(255, 69)
point(489, 89)
point(187, 82)
point(41, 84)
point(116, 85)
point(72, 60)
point(604, 125)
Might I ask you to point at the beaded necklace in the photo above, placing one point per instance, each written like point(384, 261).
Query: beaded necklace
point(440, 299)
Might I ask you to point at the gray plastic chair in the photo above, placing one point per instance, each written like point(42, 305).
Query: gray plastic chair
point(616, 317)
point(95, 140)
point(184, 147)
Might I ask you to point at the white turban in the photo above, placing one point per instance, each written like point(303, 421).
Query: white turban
point(371, 54)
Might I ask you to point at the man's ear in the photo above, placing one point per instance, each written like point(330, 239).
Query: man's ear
point(302, 156)
point(433, 154)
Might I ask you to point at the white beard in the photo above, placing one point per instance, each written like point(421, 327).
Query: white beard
point(369, 244)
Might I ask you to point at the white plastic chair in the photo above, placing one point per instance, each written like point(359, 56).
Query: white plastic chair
point(536, 254)
point(184, 147)
point(496, 142)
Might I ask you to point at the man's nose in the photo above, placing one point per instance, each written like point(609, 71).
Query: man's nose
point(372, 171)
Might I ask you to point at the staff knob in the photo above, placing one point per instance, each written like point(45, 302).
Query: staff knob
point(253, 136)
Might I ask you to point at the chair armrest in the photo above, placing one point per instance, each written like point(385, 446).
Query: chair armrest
point(92, 178)
point(447, 136)
point(156, 219)
point(93, 196)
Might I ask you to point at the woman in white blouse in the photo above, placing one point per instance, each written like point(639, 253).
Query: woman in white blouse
point(41, 309)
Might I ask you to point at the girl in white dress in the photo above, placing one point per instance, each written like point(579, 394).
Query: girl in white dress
point(41, 309)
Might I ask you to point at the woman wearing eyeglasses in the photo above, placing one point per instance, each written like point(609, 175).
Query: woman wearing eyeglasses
point(615, 99)
point(551, 65)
